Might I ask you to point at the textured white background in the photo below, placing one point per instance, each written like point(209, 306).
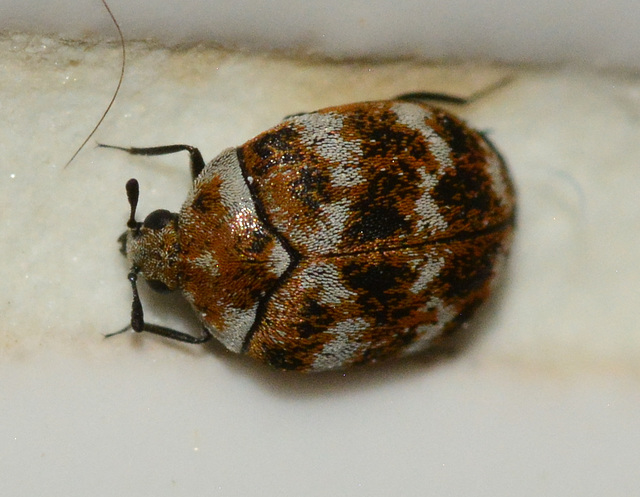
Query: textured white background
point(580, 31)
point(544, 402)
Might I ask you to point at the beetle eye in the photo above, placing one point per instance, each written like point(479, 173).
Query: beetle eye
point(158, 219)
point(158, 286)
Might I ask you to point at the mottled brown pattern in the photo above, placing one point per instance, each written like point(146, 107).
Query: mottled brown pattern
point(227, 260)
point(380, 240)
point(344, 236)
point(293, 182)
point(379, 291)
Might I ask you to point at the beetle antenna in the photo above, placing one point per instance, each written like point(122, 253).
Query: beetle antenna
point(115, 93)
point(133, 193)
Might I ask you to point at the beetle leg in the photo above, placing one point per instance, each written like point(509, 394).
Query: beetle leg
point(452, 99)
point(432, 96)
point(168, 333)
point(177, 335)
point(196, 160)
point(138, 325)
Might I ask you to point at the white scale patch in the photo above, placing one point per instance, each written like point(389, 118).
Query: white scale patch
point(279, 259)
point(208, 263)
point(428, 272)
point(322, 133)
point(441, 151)
point(237, 323)
point(326, 278)
point(414, 117)
point(343, 347)
point(426, 208)
point(346, 174)
point(495, 171)
point(427, 332)
point(325, 235)
point(234, 191)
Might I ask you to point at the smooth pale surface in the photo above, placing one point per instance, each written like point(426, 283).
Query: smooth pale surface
point(546, 400)
point(583, 31)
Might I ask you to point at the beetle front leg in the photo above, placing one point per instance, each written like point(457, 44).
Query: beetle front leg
point(138, 325)
point(176, 335)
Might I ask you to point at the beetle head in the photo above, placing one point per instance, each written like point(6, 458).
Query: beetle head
point(152, 247)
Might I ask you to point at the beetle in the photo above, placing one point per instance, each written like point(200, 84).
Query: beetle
point(344, 236)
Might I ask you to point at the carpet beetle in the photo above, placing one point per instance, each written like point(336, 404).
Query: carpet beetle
point(338, 237)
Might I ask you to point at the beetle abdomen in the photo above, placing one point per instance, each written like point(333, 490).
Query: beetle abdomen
point(397, 215)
